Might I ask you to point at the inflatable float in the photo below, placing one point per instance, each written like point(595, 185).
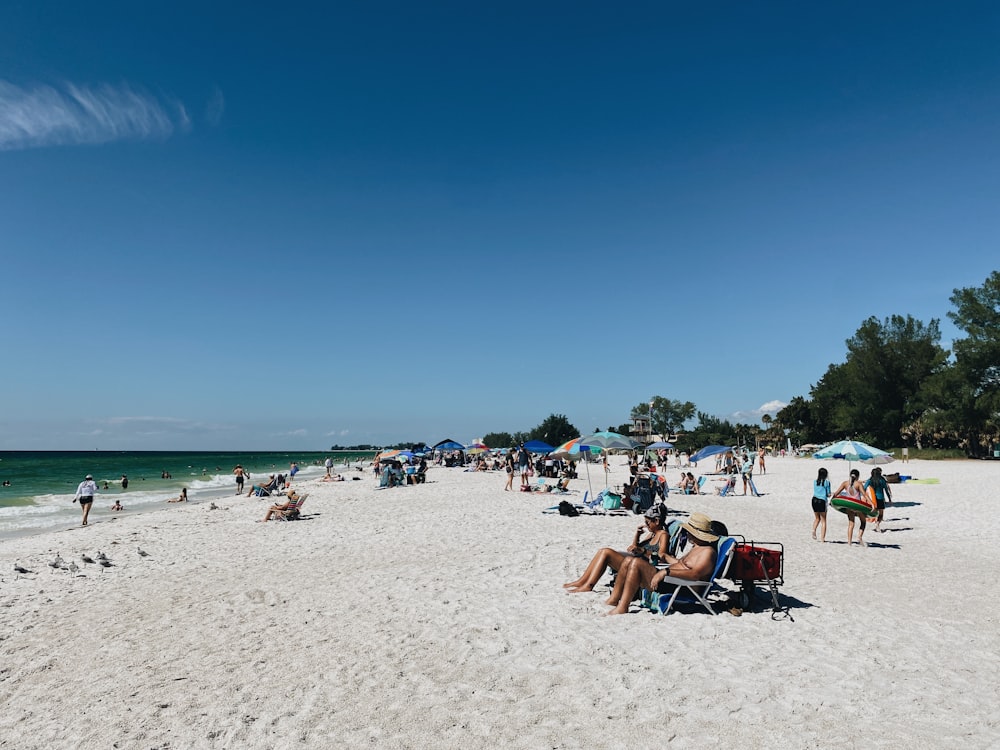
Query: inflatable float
point(864, 504)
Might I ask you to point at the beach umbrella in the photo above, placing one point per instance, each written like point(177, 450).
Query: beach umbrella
point(605, 441)
point(609, 441)
point(662, 444)
point(708, 451)
point(575, 449)
point(474, 448)
point(854, 450)
point(569, 449)
point(449, 445)
point(537, 446)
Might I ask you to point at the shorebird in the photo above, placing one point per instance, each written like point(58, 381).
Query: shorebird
point(58, 562)
point(142, 552)
point(19, 569)
point(101, 555)
point(72, 567)
point(87, 559)
point(105, 562)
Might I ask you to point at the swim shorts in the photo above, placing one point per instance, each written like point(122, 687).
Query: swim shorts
point(819, 505)
point(86, 499)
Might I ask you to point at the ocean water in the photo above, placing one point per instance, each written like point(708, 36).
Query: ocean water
point(43, 483)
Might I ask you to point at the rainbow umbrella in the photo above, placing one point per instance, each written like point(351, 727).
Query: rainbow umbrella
point(474, 448)
point(569, 449)
point(573, 449)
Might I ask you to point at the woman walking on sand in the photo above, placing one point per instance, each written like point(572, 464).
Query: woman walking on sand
point(85, 495)
point(821, 494)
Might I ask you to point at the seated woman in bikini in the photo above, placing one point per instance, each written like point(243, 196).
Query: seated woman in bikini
point(697, 564)
point(652, 547)
point(181, 498)
point(683, 485)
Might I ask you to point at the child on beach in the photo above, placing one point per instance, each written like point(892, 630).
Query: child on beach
point(820, 496)
point(117, 506)
point(882, 492)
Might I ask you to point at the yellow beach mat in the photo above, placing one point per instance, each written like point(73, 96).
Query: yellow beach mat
point(923, 481)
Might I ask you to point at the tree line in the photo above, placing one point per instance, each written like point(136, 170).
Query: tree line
point(897, 386)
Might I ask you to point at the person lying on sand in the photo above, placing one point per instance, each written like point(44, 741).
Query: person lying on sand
point(696, 565)
point(653, 546)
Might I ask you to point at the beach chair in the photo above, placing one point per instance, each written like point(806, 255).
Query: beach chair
point(293, 511)
point(728, 487)
point(693, 592)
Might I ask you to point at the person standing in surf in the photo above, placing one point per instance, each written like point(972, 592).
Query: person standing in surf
point(240, 478)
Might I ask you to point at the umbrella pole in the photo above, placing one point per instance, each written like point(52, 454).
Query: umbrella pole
point(586, 462)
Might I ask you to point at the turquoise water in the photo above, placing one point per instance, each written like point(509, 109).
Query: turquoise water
point(42, 483)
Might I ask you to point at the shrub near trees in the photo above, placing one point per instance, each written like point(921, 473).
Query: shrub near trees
point(555, 431)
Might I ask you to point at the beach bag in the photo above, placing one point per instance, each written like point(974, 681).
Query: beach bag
point(567, 509)
point(612, 501)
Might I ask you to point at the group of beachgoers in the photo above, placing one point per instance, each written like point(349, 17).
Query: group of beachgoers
point(873, 492)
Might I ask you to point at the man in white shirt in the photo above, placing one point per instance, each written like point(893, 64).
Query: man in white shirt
point(85, 494)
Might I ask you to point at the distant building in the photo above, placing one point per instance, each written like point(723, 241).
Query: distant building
point(642, 430)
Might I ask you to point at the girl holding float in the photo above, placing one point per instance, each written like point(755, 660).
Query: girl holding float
point(851, 498)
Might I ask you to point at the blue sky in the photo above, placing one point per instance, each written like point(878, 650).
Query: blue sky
point(238, 226)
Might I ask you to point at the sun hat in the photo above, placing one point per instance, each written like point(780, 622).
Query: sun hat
point(653, 512)
point(700, 526)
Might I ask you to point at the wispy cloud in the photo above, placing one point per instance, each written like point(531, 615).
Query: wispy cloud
point(771, 407)
point(39, 116)
point(215, 107)
point(159, 425)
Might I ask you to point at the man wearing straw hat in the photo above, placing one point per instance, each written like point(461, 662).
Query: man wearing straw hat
point(696, 565)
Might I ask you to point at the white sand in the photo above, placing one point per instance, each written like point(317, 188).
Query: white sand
point(433, 617)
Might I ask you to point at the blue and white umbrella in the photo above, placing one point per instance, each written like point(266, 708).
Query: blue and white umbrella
point(853, 450)
point(708, 451)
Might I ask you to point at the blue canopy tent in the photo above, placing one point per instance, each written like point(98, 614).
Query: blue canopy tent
point(449, 445)
point(708, 451)
point(537, 446)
